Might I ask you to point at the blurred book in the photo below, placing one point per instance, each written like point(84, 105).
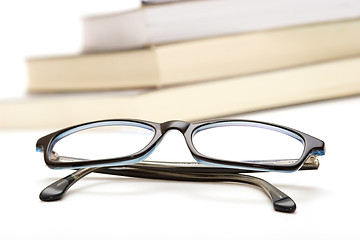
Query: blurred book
point(210, 99)
point(188, 20)
point(197, 60)
point(160, 1)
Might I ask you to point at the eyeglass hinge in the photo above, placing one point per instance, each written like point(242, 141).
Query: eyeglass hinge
point(311, 163)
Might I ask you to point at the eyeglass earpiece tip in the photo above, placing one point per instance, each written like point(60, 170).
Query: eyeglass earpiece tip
point(54, 191)
point(285, 205)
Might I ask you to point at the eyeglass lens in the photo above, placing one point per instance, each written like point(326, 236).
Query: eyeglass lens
point(240, 143)
point(102, 143)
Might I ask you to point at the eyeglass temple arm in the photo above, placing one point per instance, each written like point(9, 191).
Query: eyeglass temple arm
point(311, 162)
point(56, 190)
point(280, 200)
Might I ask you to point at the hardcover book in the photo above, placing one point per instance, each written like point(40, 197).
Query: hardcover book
point(198, 60)
point(188, 20)
point(204, 100)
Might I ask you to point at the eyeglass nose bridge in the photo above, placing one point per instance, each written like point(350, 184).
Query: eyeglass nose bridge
point(182, 126)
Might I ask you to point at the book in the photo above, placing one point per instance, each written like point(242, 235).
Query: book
point(196, 61)
point(190, 102)
point(159, 1)
point(188, 20)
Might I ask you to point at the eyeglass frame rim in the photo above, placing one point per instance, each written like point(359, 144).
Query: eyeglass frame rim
point(312, 146)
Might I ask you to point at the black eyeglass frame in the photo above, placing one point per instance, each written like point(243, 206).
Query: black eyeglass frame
point(312, 145)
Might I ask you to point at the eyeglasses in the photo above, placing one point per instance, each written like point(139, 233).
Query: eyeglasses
point(222, 148)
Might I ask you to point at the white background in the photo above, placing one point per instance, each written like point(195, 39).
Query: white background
point(31, 28)
point(123, 208)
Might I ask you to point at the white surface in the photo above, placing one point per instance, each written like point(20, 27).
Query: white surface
point(112, 208)
point(116, 207)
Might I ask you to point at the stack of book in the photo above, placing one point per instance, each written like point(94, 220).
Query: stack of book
point(193, 60)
